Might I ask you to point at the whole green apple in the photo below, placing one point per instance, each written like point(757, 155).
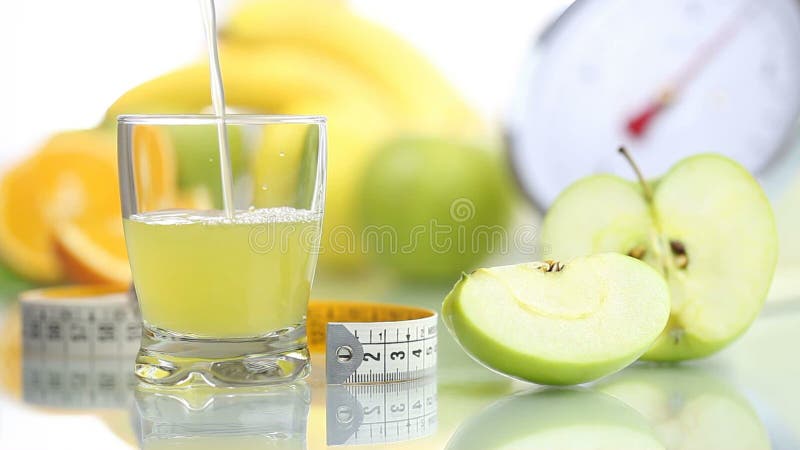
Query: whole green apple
point(433, 207)
point(197, 153)
point(705, 226)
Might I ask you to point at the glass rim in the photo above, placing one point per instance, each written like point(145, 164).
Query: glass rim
point(210, 119)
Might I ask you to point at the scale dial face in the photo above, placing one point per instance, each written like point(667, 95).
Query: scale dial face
point(665, 78)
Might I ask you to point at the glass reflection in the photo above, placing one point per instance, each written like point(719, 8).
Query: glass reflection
point(200, 417)
point(689, 407)
point(556, 418)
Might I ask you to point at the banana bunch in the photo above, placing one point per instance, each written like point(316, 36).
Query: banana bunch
point(319, 57)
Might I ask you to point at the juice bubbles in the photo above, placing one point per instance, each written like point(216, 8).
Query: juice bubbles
point(202, 274)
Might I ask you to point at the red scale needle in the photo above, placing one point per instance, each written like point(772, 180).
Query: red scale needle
point(638, 123)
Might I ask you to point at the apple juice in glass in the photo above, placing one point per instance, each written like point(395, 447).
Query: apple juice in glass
point(222, 289)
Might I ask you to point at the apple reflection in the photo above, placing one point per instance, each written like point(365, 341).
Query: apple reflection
point(689, 408)
point(556, 418)
point(273, 417)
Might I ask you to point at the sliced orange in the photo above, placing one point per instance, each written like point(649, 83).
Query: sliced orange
point(60, 209)
point(154, 172)
point(74, 174)
point(92, 250)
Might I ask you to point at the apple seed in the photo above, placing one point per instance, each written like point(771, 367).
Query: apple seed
point(679, 250)
point(638, 252)
point(551, 266)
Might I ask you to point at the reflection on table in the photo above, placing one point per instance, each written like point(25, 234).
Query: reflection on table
point(380, 413)
point(642, 407)
point(274, 417)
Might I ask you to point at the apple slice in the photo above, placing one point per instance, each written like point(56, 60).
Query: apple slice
point(690, 408)
point(706, 226)
point(556, 419)
point(552, 323)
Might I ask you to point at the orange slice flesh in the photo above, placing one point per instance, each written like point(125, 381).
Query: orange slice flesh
point(73, 175)
point(155, 172)
point(92, 250)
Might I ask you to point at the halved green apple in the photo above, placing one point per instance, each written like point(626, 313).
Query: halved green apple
point(552, 323)
point(706, 226)
point(556, 419)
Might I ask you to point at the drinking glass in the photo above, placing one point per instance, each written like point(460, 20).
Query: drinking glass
point(222, 247)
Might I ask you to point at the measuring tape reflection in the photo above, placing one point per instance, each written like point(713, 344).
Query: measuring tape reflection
point(380, 413)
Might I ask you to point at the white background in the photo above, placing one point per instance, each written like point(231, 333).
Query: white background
point(65, 62)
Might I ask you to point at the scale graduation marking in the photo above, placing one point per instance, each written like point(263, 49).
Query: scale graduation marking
point(382, 351)
point(105, 326)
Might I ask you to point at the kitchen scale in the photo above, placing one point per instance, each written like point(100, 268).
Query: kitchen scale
point(665, 78)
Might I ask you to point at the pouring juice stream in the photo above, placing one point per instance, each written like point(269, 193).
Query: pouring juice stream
point(218, 104)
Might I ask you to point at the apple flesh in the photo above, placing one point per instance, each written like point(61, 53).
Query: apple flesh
point(556, 419)
point(706, 226)
point(559, 324)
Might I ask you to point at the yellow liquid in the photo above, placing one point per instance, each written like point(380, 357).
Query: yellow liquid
point(205, 275)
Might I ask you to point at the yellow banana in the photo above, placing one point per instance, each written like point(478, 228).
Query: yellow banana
point(263, 80)
point(334, 30)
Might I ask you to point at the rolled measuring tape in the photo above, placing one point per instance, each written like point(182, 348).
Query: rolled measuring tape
point(367, 342)
point(79, 321)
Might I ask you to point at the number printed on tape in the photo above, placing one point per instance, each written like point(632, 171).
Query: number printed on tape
point(80, 329)
point(386, 351)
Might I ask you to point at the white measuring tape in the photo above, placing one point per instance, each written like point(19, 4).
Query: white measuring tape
point(368, 342)
point(79, 321)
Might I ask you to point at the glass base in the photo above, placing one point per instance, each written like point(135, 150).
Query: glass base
point(167, 358)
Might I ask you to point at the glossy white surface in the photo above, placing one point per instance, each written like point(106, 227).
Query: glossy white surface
point(757, 375)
